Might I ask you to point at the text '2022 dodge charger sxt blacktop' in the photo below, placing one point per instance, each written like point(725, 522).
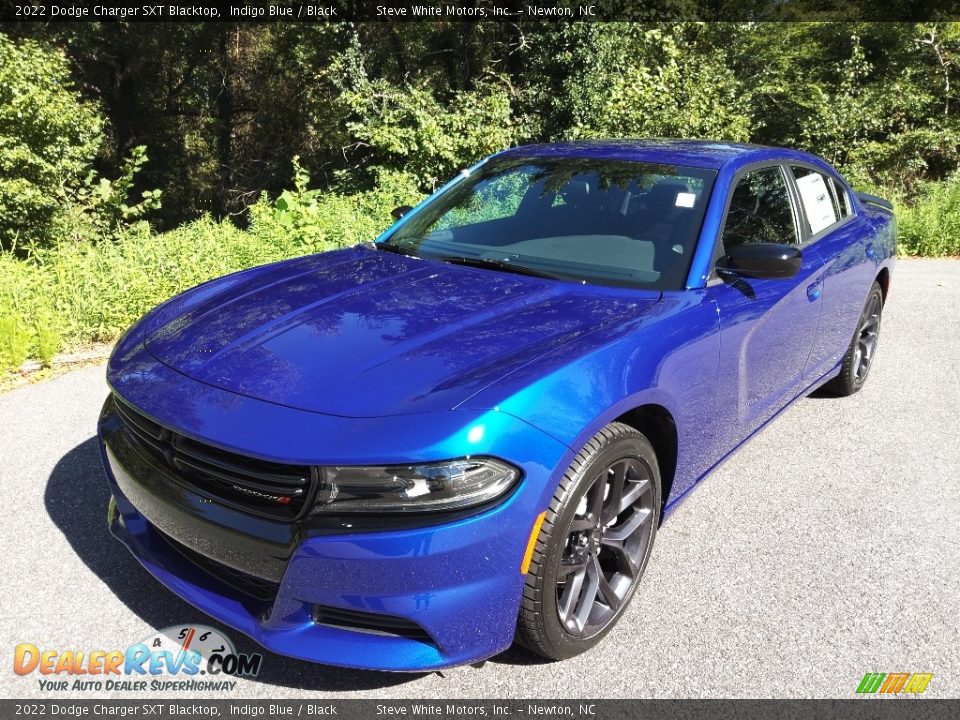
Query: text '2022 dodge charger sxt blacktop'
point(410, 453)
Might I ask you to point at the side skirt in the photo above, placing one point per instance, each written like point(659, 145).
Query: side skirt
point(828, 376)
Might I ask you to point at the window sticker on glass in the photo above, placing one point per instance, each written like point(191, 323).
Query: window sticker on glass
point(817, 203)
point(685, 199)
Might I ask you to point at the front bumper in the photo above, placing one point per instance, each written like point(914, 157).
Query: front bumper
point(457, 583)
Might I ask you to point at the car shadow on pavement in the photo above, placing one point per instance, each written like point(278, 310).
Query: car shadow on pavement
point(517, 655)
point(76, 499)
point(822, 393)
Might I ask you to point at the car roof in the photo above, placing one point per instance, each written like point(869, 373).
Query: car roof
point(692, 153)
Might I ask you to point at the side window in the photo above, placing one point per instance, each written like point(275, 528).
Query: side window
point(760, 211)
point(821, 206)
point(840, 192)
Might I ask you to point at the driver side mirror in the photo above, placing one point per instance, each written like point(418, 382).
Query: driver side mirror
point(399, 212)
point(761, 260)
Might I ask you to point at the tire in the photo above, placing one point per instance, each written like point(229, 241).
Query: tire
point(858, 359)
point(576, 541)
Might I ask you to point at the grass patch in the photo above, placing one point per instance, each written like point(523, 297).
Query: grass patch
point(14, 341)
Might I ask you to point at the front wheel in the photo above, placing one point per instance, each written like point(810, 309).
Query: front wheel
point(593, 545)
point(859, 356)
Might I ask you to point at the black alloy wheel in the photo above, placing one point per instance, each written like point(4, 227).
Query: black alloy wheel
point(593, 546)
point(605, 547)
point(867, 335)
point(863, 347)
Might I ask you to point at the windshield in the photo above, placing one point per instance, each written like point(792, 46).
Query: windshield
point(608, 222)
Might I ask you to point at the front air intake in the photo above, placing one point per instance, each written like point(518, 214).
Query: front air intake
point(250, 585)
point(256, 486)
point(367, 622)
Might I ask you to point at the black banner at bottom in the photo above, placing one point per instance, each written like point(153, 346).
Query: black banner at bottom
point(873, 709)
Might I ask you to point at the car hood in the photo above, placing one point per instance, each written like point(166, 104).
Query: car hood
point(366, 333)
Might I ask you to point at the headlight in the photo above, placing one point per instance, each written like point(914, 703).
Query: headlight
point(428, 487)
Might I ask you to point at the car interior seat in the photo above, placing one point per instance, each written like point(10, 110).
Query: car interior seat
point(663, 218)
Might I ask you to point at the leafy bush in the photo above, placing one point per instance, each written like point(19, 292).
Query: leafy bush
point(98, 207)
point(930, 224)
point(48, 139)
point(668, 91)
point(311, 220)
point(412, 126)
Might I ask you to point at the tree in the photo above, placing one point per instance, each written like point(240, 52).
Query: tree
point(48, 140)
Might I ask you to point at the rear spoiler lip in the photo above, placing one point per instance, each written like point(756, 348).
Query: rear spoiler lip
point(869, 199)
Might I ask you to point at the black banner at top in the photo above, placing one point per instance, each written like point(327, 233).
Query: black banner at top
point(515, 11)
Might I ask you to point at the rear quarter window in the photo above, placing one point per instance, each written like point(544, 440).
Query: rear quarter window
point(823, 199)
point(840, 192)
point(819, 202)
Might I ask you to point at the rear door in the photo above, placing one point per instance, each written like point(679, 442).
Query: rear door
point(842, 239)
point(767, 326)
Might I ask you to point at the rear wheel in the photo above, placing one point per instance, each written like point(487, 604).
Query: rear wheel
point(859, 356)
point(593, 546)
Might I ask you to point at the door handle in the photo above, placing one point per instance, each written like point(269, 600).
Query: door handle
point(813, 291)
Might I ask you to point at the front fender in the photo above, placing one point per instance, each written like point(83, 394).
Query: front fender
point(667, 357)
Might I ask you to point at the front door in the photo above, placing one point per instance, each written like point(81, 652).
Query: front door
point(767, 326)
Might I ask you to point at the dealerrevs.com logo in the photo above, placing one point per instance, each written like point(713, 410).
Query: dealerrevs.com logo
point(191, 658)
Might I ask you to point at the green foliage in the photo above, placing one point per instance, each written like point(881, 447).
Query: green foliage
point(87, 291)
point(47, 329)
point(296, 212)
point(665, 88)
point(878, 99)
point(930, 224)
point(223, 106)
point(310, 220)
point(845, 115)
point(48, 139)
point(14, 342)
point(99, 209)
point(410, 126)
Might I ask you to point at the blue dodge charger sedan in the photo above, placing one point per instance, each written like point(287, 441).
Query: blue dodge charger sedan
point(409, 454)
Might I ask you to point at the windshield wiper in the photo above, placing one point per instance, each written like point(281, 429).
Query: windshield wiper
point(395, 248)
point(498, 265)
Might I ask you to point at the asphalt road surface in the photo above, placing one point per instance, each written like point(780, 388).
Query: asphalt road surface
point(827, 548)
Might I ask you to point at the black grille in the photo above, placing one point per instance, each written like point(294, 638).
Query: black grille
point(255, 587)
point(256, 486)
point(367, 622)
